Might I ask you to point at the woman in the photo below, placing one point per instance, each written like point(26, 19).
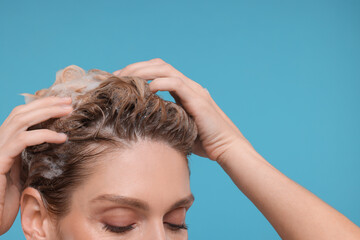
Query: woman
point(120, 169)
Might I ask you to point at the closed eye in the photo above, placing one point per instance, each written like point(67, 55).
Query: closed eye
point(123, 229)
point(176, 227)
point(118, 229)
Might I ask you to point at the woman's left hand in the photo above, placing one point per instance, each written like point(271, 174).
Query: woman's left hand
point(216, 132)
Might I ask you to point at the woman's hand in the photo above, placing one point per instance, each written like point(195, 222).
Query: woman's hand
point(217, 133)
point(14, 138)
point(291, 209)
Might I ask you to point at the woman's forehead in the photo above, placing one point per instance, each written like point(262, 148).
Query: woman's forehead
point(150, 171)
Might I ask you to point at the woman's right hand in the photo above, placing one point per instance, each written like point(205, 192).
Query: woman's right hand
point(14, 138)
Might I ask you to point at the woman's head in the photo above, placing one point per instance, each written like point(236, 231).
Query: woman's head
point(124, 163)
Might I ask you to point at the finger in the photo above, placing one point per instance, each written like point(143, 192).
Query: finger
point(161, 70)
point(116, 73)
point(131, 67)
point(39, 136)
point(27, 119)
point(181, 90)
point(155, 68)
point(26, 139)
point(40, 103)
point(177, 88)
point(158, 69)
point(154, 71)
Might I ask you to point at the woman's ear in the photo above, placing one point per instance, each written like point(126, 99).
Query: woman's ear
point(35, 220)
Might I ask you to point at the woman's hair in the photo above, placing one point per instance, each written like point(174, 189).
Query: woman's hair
point(110, 113)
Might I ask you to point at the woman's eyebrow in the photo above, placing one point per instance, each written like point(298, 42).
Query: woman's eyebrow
point(122, 200)
point(137, 203)
point(187, 201)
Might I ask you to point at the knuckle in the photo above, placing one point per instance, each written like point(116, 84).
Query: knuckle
point(18, 109)
point(206, 92)
point(179, 83)
point(128, 68)
point(137, 72)
point(157, 60)
point(19, 119)
point(51, 99)
point(168, 66)
point(169, 69)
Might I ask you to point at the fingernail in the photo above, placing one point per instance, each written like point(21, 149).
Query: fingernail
point(65, 99)
point(67, 107)
point(62, 135)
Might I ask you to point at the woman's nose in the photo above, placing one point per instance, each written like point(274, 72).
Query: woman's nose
point(156, 231)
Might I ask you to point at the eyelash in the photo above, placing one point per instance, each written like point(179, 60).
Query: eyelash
point(117, 229)
point(175, 227)
point(122, 229)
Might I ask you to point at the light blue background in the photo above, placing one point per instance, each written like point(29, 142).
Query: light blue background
point(286, 72)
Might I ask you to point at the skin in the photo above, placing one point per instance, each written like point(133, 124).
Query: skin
point(142, 174)
point(291, 209)
point(14, 138)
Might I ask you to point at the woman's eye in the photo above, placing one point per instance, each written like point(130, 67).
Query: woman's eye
point(117, 229)
point(123, 229)
point(176, 227)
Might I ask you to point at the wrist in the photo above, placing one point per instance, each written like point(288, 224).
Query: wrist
point(234, 150)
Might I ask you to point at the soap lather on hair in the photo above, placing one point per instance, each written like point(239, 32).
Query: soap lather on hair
point(71, 81)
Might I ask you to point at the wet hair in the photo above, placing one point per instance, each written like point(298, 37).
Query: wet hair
point(111, 115)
